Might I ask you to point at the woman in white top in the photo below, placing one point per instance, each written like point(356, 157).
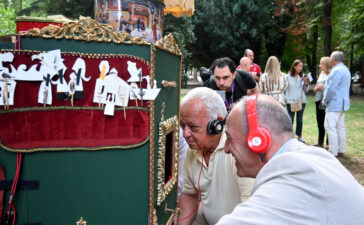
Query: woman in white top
point(325, 67)
point(297, 86)
point(273, 82)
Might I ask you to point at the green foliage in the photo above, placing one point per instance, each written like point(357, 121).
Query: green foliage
point(226, 28)
point(353, 27)
point(72, 9)
point(7, 20)
point(182, 30)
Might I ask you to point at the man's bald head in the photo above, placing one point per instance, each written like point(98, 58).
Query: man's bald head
point(245, 64)
point(271, 115)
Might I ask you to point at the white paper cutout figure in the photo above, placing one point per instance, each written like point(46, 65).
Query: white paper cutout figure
point(150, 93)
point(7, 84)
point(135, 76)
point(148, 81)
point(47, 69)
point(5, 57)
point(104, 68)
point(133, 71)
point(21, 73)
point(7, 90)
point(80, 70)
point(116, 92)
point(60, 68)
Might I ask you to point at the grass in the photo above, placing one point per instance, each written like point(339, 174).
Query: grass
point(354, 124)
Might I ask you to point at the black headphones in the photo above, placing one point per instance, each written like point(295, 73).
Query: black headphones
point(216, 126)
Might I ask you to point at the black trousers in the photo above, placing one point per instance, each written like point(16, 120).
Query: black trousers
point(320, 118)
point(299, 121)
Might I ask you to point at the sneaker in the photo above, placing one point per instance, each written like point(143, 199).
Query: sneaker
point(301, 140)
point(340, 154)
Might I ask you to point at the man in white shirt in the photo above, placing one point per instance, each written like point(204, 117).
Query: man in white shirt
point(209, 174)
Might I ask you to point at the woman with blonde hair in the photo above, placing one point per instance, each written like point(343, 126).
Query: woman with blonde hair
point(273, 82)
point(325, 67)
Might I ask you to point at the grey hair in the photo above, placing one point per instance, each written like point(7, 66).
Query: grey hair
point(271, 115)
point(338, 56)
point(214, 104)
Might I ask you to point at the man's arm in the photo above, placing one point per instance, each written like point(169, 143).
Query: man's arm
point(330, 87)
point(188, 204)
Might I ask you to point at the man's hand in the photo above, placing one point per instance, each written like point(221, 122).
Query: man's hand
point(253, 90)
point(305, 79)
point(189, 206)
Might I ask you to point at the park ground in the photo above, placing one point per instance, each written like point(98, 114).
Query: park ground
point(353, 159)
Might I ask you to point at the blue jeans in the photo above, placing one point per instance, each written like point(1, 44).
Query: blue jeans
point(299, 118)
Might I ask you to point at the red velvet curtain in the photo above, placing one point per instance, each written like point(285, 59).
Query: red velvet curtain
point(28, 126)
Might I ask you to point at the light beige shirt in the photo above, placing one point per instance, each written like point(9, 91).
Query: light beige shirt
point(221, 188)
point(276, 90)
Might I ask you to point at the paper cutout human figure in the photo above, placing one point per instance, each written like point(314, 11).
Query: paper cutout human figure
point(135, 76)
point(48, 70)
point(7, 90)
point(7, 84)
point(133, 71)
point(116, 92)
point(104, 68)
point(62, 87)
point(5, 57)
point(79, 67)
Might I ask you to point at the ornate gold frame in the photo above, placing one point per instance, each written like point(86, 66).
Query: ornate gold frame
point(87, 29)
point(166, 127)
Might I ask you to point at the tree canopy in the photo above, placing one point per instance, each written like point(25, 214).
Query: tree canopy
point(288, 29)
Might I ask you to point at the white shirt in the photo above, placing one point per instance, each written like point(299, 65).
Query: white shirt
point(221, 188)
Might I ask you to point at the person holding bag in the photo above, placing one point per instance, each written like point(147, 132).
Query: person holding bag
point(273, 82)
point(295, 95)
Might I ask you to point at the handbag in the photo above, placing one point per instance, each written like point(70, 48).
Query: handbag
point(297, 106)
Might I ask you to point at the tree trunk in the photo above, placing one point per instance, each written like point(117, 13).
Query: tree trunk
point(314, 53)
point(327, 27)
point(194, 74)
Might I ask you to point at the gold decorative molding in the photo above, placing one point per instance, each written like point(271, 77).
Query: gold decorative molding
point(172, 84)
point(152, 65)
point(81, 222)
point(85, 29)
point(152, 212)
point(169, 44)
point(154, 220)
point(166, 127)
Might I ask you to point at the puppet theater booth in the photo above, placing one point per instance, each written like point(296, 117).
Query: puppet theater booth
point(88, 127)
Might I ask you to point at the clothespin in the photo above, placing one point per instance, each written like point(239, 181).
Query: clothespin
point(45, 96)
point(123, 103)
point(72, 91)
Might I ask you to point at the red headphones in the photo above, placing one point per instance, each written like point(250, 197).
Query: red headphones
point(258, 138)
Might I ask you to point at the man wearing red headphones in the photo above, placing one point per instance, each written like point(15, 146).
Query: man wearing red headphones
point(295, 183)
point(211, 187)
